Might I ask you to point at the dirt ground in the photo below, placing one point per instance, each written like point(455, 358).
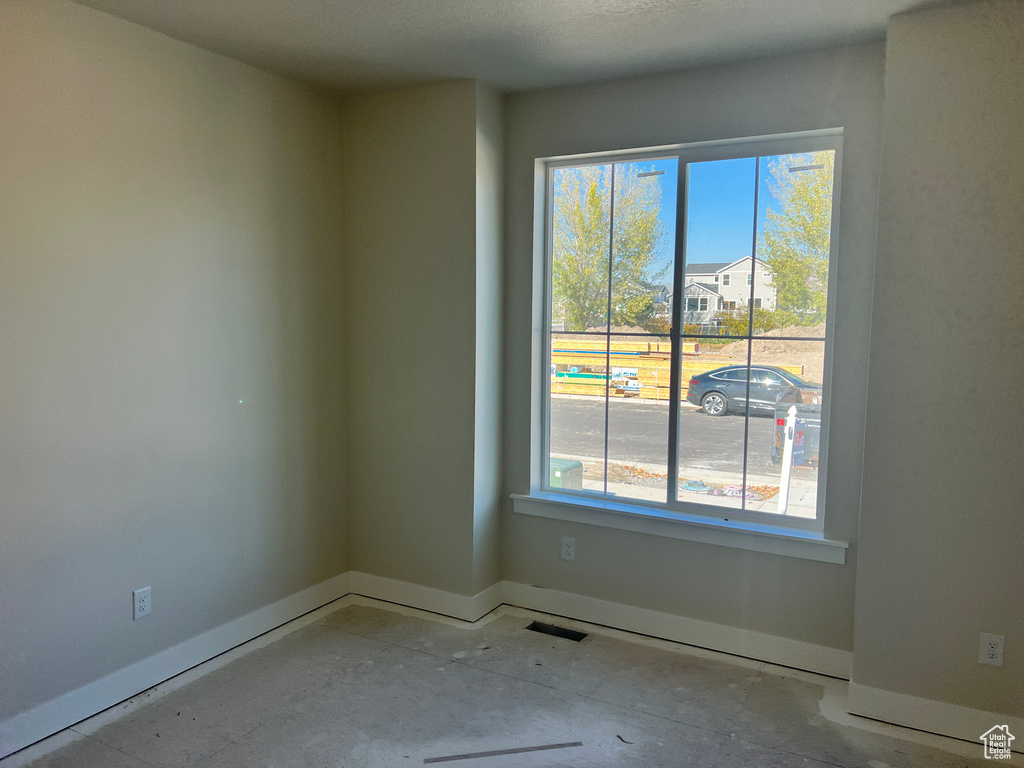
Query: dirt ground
point(632, 475)
point(620, 329)
point(769, 352)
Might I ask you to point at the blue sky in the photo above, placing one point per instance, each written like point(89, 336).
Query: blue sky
point(720, 218)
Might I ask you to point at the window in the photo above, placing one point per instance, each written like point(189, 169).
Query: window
point(643, 407)
point(762, 376)
point(731, 375)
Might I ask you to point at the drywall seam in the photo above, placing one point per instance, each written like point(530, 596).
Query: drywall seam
point(66, 710)
point(927, 715)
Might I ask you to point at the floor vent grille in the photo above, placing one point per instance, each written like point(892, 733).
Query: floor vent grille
point(551, 629)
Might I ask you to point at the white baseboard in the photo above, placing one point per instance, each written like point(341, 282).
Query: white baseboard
point(465, 607)
point(741, 642)
point(66, 710)
point(922, 714)
point(928, 715)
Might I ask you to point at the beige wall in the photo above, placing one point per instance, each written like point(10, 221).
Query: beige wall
point(421, 402)
point(788, 597)
point(171, 338)
point(195, 396)
point(941, 531)
point(487, 448)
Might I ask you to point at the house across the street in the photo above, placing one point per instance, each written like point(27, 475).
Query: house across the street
point(713, 287)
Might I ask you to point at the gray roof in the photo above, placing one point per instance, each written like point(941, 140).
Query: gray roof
point(707, 269)
point(691, 288)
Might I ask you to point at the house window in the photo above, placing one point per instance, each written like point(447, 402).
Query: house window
point(649, 409)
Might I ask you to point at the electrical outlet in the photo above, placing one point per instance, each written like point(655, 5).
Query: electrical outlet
point(142, 601)
point(568, 548)
point(991, 650)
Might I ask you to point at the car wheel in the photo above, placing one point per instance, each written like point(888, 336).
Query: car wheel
point(714, 404)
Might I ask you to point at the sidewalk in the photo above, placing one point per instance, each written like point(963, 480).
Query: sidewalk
point(803, 491)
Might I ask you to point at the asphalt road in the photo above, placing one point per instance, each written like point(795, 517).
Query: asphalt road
point(638, 432)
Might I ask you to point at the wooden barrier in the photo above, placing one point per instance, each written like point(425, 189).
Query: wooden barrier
point(639, 369)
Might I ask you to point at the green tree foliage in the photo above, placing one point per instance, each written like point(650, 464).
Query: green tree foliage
point(794, 244)
point(581, 224)
point(734, 322)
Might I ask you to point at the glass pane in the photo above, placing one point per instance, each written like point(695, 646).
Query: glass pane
point(794, 236)
point(785, 381)
point(581, 210)
point(712, 422)
point(719, 244)
point(638, 417)
point(643, 257)
point(578, 388)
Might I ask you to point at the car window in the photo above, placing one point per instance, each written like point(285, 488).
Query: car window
point(767, 377)
point(734, 375)
point(796, 380)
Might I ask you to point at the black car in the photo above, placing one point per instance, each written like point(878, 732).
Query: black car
point(725, 389)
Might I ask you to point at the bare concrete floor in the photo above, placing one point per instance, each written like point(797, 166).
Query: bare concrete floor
point(369, 685)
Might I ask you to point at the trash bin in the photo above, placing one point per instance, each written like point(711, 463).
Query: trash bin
point(567, 473)
point(808, 429)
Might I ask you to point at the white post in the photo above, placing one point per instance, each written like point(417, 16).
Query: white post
point(787, 460)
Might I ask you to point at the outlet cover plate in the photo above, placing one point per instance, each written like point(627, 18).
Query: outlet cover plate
point(142, 603)
point(990, 650)
point(568, 548)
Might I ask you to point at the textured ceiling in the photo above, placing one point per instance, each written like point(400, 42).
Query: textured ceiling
point(357, 45)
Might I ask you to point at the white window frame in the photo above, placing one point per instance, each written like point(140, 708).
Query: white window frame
point(725, 279)
point(761, 531)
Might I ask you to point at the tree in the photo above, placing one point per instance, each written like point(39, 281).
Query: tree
point(580, 259)
point(734, 322)
point(794, 244)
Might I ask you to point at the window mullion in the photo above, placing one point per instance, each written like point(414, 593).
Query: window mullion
point(608, 323)
point(675, 368)
point(750, 334)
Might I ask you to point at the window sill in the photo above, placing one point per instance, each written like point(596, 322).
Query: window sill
point(739, 534)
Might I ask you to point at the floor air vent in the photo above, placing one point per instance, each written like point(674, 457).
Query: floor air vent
point(550, 629)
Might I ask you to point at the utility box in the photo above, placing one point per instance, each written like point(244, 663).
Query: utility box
point(808, 429)
point(566, 473)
